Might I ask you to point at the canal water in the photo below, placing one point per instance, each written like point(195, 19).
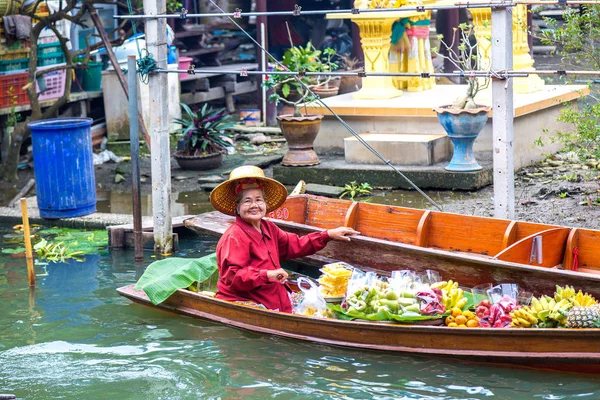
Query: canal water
point(75, 338)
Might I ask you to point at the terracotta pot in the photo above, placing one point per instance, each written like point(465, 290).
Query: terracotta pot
point(324, 92)
point(349, 84)
point(300, 133)
point(198, 163)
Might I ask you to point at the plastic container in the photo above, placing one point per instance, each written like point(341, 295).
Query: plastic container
point(250, 117)
point(172, 55)
point(51, 59)
point(63, 166)
point(49, 48)
point(184, 63)
point(54, 84)
point(17, 95)
point(14, 65)
point(92, 77)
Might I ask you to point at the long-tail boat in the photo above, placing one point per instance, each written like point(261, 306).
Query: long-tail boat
point(468, 249)
point(574, 350)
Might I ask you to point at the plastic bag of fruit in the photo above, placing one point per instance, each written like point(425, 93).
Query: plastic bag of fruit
point(312, 304)
point(430, 301)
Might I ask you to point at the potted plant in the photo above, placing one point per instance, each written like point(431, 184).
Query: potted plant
point(204, 140)
point(349, 84)
point(300, 130)
point(464, 119)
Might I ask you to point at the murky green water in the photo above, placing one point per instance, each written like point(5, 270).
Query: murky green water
point(77, 339)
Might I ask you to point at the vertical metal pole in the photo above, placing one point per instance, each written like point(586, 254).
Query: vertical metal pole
point(503, 115)
point(156, 42)
point(263, 63)
point(134, 141)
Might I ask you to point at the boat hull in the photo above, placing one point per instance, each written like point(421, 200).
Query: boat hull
point(386, 256)
point(555, 349)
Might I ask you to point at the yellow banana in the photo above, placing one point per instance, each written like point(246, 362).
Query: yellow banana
point(544, 303)
point(524, 323)
point(449, 285)
point(551, 303)
point(535, 303)
point(462, 302)
point(439, 285)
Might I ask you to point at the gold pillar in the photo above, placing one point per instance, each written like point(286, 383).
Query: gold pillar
point(522, 60)
point(375, 36)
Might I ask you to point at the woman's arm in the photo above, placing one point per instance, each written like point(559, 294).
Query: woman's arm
point(293, 246)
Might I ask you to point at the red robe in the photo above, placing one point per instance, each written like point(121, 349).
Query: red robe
point(245, 255)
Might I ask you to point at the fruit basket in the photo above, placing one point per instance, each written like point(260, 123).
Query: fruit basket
point(11, 89)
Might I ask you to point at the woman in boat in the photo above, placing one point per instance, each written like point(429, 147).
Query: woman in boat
point(250, 250)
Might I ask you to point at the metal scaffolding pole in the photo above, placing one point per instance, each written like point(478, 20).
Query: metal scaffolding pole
point(156, 42)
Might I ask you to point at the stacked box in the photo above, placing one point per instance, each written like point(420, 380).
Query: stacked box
point(11, 89)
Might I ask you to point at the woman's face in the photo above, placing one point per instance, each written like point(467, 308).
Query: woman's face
point(252, 207)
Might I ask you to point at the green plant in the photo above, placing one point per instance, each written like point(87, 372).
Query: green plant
point(466, 60)
point(173, 6)
point(292, 90)
point(13, 118)
point(576, 39)
point(563, 195)
point(354, 189)
point(203, 130)
point(56, 251)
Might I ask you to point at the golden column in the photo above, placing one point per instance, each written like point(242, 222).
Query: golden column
point(375, 36)
point(522, 60)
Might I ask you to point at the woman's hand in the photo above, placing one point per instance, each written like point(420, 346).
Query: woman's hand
point(342, 233)
point(277, 275)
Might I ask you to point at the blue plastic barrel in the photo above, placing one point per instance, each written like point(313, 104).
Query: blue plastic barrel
point(64, 167)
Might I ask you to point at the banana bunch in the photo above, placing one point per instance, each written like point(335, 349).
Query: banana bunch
point(452, 295)
point(549, 311)
point(523, 317)
point(578, 299)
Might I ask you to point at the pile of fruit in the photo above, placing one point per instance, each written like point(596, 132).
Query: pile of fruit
point(380, 298)
point(566, 309)
point(462, 319)
point(333, 282)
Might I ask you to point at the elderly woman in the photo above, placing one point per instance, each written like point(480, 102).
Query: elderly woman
point(250, 250)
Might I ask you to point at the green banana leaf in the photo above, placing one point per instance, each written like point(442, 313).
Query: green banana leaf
point(380, 316)
point(162, 278)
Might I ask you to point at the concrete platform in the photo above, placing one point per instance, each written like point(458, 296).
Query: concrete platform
point(335, 171)
point(399, 148)
point(535, 117)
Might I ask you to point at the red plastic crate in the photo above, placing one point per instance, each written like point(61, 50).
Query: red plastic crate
point(19, 95)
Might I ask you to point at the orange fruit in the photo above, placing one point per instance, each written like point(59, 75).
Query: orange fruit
point(462, 326)
point(449, 319)
point(460, 320)
point(469, 314)
point(472, 323)
point(456, 312)
point(452, 325)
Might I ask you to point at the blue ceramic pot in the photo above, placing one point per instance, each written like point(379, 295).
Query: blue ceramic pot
point(463, 127)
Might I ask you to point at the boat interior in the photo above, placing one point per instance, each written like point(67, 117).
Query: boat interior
point(520, 242)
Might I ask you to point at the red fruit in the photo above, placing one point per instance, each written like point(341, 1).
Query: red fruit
point(485, 303)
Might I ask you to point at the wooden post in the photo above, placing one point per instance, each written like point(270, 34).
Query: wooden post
point(503, 115)
point(156, 42)
point(261, 37)
point(27, 238)
point(134, 142)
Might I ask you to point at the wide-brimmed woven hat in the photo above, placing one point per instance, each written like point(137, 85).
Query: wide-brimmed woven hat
point(223, 196)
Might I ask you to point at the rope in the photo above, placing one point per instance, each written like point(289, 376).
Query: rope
point(146, 64)
point(348, 127)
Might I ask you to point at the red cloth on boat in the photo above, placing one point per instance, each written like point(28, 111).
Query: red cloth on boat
point(244, 256)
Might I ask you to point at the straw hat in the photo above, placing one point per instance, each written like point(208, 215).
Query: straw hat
point(223, 196)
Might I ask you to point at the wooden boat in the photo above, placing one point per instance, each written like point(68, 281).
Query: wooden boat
point(574, 350)
point(468, 249)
